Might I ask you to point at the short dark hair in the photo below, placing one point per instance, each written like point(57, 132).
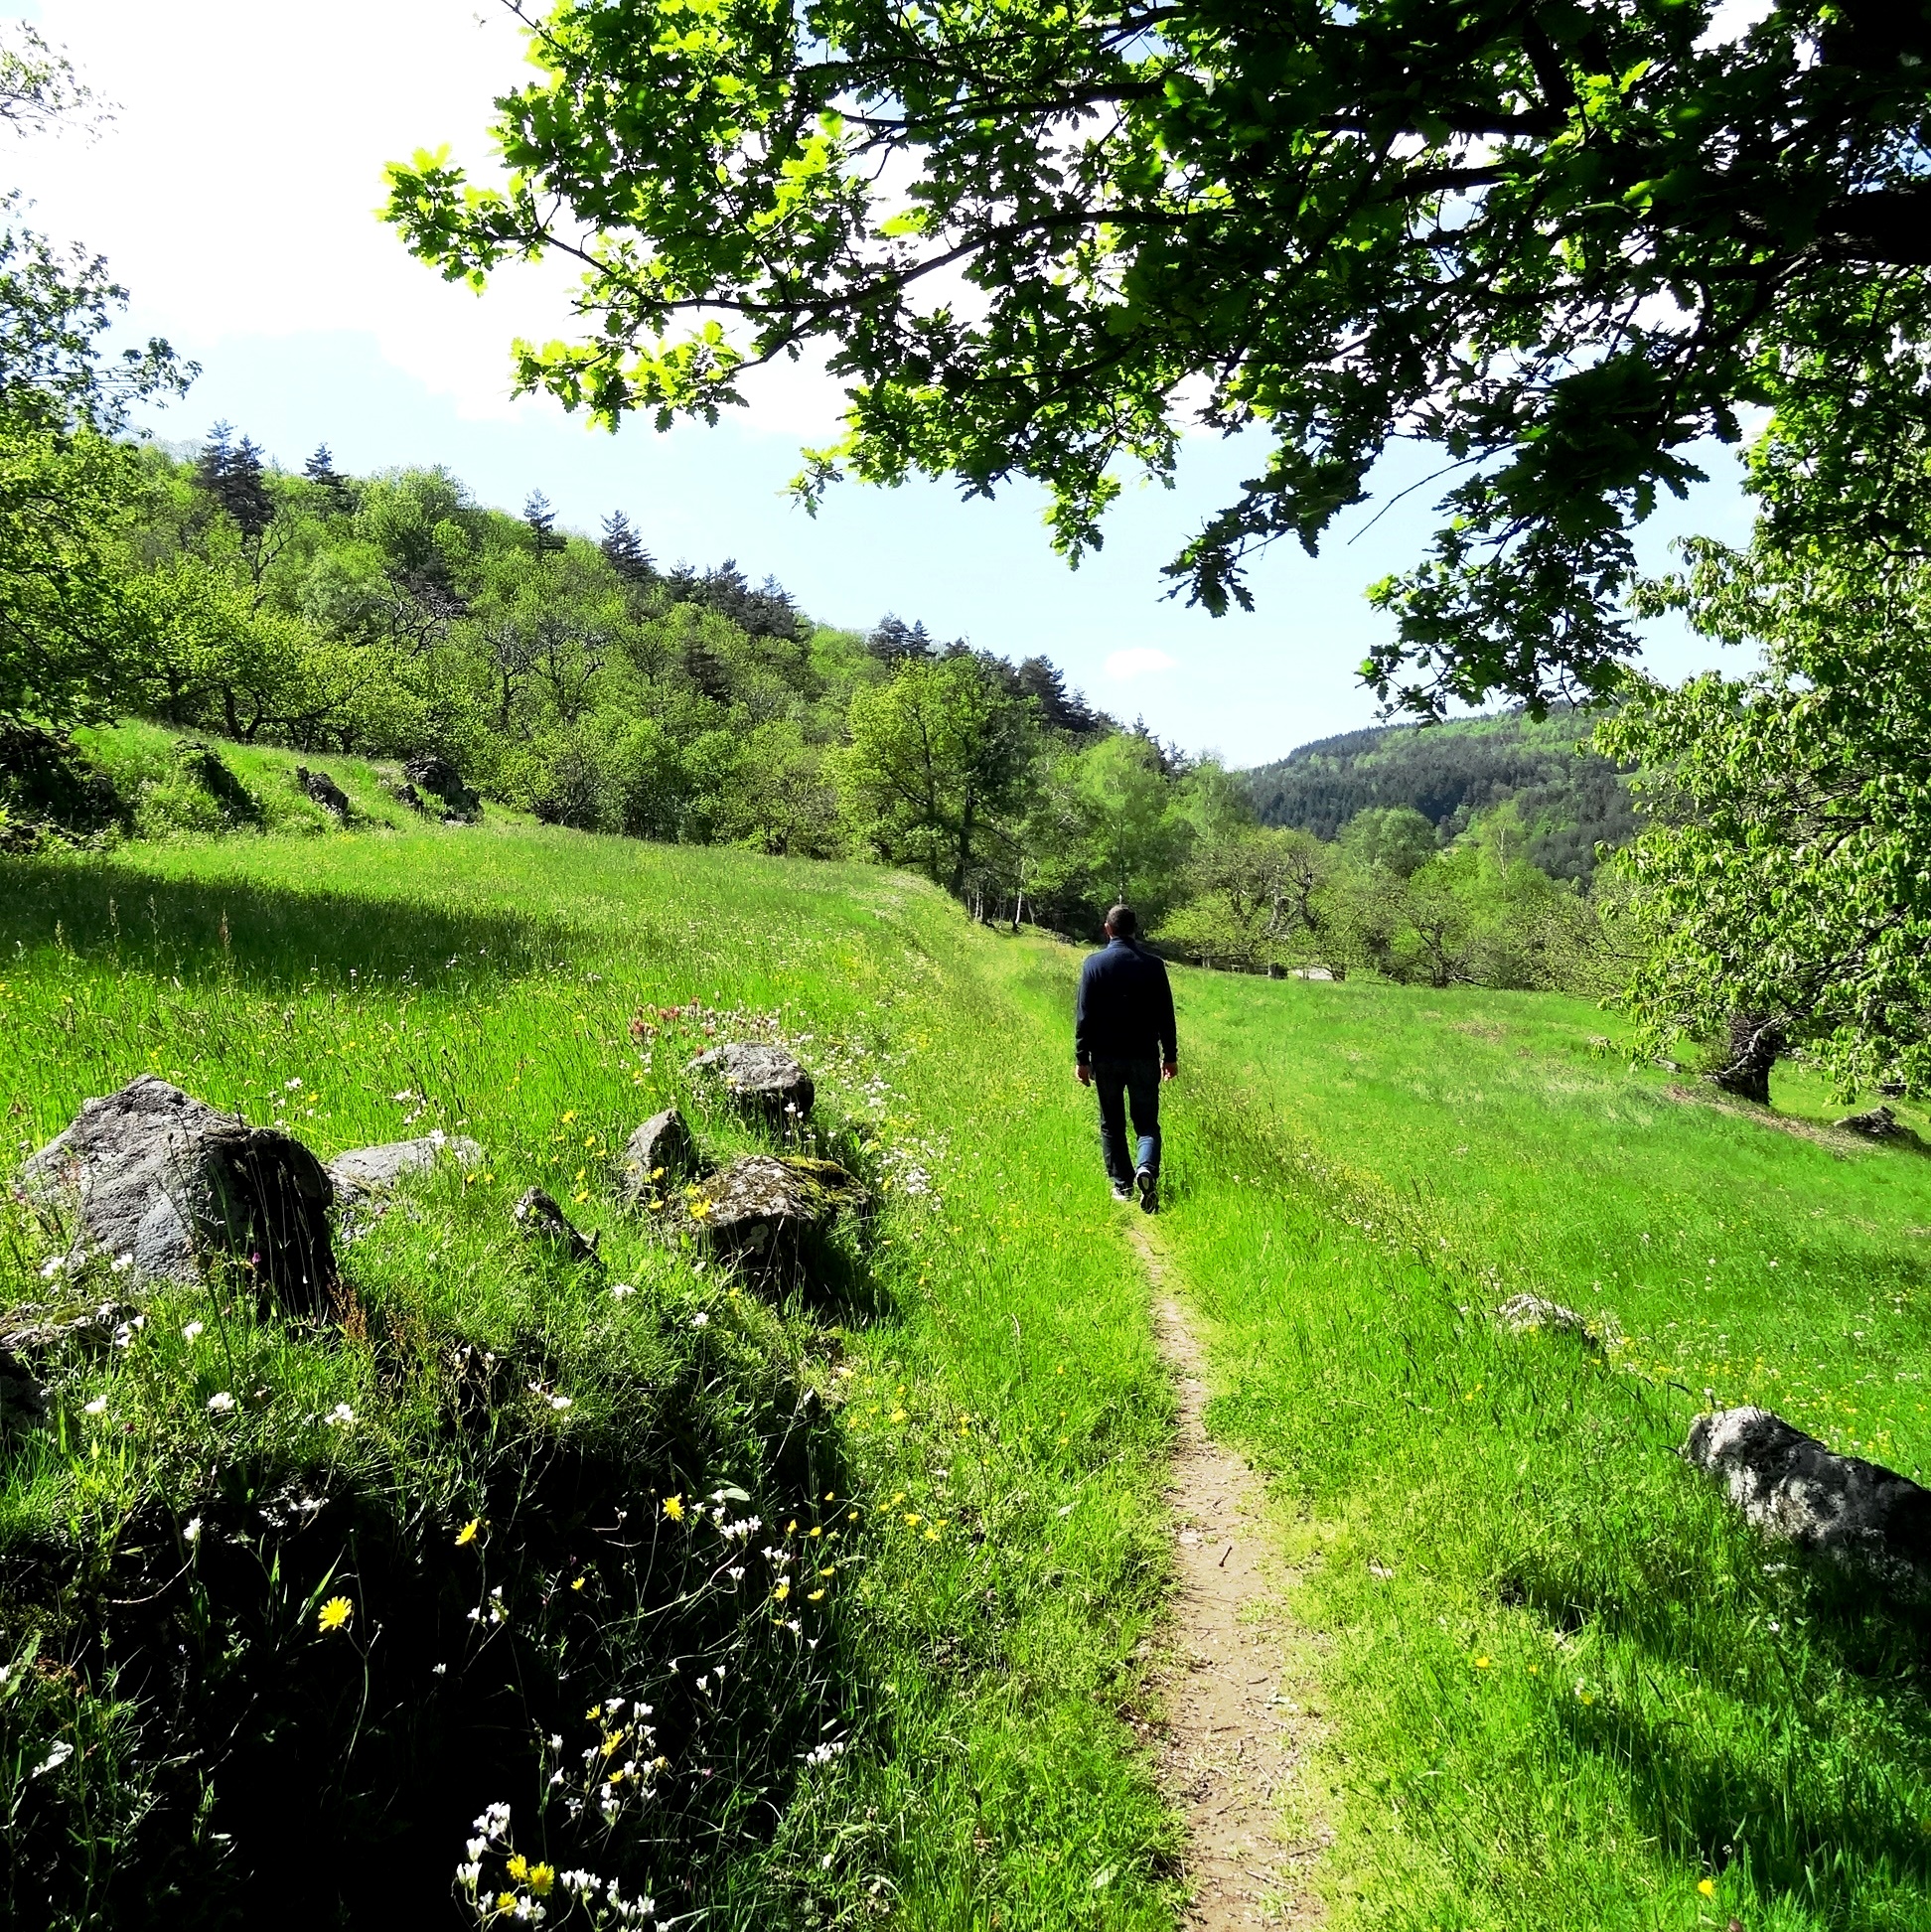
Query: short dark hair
point(1122, 921)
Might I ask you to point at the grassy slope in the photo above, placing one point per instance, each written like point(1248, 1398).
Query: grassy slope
point(1569, 1689)
point(1001, 1425)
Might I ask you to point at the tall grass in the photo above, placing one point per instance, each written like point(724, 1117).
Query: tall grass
point(1568, 1685)
point(965, 1439)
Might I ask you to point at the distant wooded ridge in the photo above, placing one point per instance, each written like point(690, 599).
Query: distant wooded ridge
point(1569, 799)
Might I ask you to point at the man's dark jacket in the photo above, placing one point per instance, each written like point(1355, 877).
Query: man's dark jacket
point(1126, 1009)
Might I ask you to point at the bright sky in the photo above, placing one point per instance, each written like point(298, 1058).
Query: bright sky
point(233, 194)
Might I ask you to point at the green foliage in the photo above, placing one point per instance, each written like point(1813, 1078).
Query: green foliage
point(1571, 798)
point(1564, 246)
point(1784, 879)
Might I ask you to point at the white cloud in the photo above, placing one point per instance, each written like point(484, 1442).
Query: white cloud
point(1138, 663)
point(235, 189)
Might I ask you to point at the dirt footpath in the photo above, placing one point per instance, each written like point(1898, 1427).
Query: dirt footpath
point(1235, 1674)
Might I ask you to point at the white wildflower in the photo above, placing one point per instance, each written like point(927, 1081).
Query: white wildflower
point(220, 1404)
point(192, 1332)
point(122, 1262)
point(98, 1406)
point(341, 1416)
point(701, 1319)
point(191, 1529)
point(620, 1289)
point(468, 1874)
point(51, 1266)
point(559, 1403)
point(293, 1086)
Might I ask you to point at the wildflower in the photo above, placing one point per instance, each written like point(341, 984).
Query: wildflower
point(541, 1879)
point(122, 1262)
point(518, 1868)
point(1481, 1663)
point(674, 1508)
point(335, 1613)
point(192, 1332)
point(1707, 1886)
point(701, 1319)
point(51, 1266)
point(341, 1416)
point(98, 1406)
point(468, 1874)
point(469, 1531)
point(898, 1414)
point(816, 1596)
point(54, 1758)
point(735, 1573)
point(191, 1530)
point(220, 1405)
point(293, 1086)
point(620, 1289)
point(559, 1403)
point(782, 1592)
point(577, 1582)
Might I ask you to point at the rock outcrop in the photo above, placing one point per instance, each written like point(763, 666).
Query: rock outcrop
point(661, 1154)
point(155, 1175)
point(1878, 1123)
point(323, 790)
point(1795, 1489)
point(364, 1178)
point(444, 784)
point(541, 1218)
point(761, 1208)
point(762, 1081)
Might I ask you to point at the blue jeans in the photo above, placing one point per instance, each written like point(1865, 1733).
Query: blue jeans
point(1122, 1083)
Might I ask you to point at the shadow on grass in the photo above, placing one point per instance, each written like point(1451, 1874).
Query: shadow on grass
point(264, 935)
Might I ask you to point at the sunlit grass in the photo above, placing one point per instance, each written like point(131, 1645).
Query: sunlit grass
point(981, 1426)
point(1567, 1685)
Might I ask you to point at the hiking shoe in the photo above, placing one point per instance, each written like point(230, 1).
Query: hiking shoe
point(1149, 1190)
point(1122, 1192)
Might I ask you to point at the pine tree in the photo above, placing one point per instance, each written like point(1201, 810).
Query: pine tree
point(320, 470)
point(541, 520)
point(625, 550)
point(234, 475)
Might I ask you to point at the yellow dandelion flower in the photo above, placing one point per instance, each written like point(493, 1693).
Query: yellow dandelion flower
point(911, 1519)
point(782, 1592)
point(506, 1901)
point(541, 1879)
point(898, 1414)
point(816, 1596)
point(591, 1715)
point(469, 1531)
point(898, 1499)
point(791, 1528)
point(931, 1536)
point(815, 1529)
point(335, 1613)
point(518, 1868)
point(1481, 1663)
point(674, 1508)
point(577, 1582)
point(613, 1742)
point(1707, 1886)
point(569, 1117)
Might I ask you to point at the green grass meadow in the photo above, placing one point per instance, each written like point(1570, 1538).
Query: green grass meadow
point(1560, 1684)
point(1566, 1687)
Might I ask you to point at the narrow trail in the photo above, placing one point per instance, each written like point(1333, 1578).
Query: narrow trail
point(1236, 1673)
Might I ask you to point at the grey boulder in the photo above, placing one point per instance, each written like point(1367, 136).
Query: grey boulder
point(1795, 1489)
point(158, 1176)
point(661, 1154)
point(444, 783)
point(1879, 1123)
point(541, 1218)
point(760, 1080)
point(366, 1178)
point(323, 790)
point(761, 1208)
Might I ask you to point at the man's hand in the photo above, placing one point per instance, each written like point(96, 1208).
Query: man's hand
point(1170, 1070)
point(1084, 1072)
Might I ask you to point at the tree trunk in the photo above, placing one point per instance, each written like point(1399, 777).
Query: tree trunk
point(1755, 1046)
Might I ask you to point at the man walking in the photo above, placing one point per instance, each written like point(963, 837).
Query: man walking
point(1124, 1043)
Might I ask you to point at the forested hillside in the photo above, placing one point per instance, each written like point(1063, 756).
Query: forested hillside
point(1570, 798)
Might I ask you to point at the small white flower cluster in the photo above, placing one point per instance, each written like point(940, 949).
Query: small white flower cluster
point(820, 1754)
point(192, 1332)
point(125, 1333)
point(744, 1527)
point(341, 1416)
point(622, 1290)
point(220, 1404)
